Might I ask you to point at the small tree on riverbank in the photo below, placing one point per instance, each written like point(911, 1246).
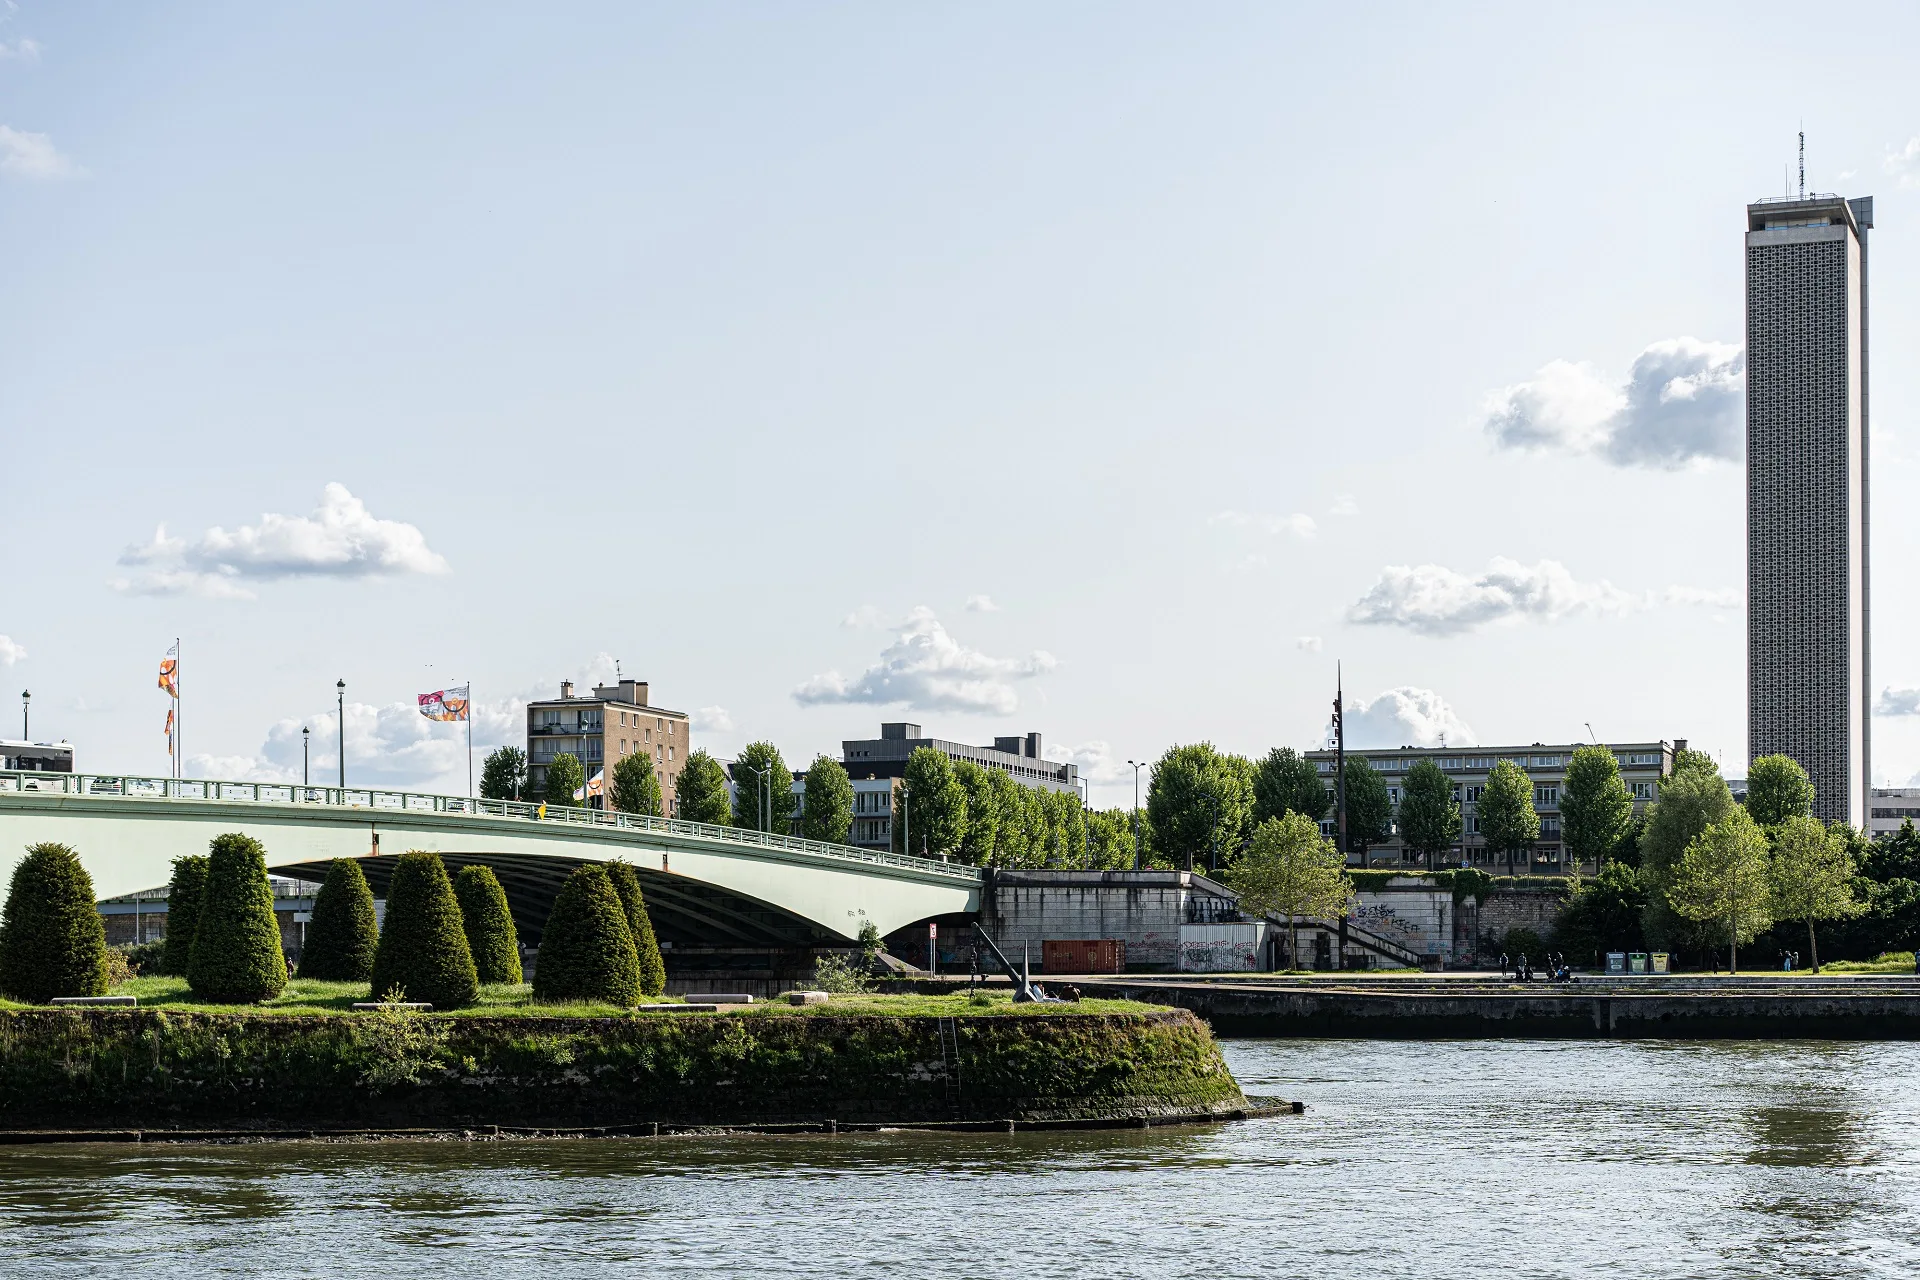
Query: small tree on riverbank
point(646, 948)
point(1812, 875)
point(1722, 880)
point(586, 952)
point(1508, 819)
point(636, 788)
point(423, 946)
point(700, 794)
point(826, 810)
point(344, 934)
point(236, 955)
point(1429, 815)
point(1289, 869)
point(564, 777)
point(52, 940)
point(184, 895)
point(487, 921)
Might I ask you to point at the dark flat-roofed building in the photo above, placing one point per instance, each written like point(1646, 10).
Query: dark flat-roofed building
point(1020, 758)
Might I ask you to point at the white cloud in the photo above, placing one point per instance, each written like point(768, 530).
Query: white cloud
point(1344, 505)
point(33, 156)
point(21, 50)
point(981, 604)
point(387, 746)
point(866, 618)
point(1897, 702)
point(1903, 164)
point(713, 720)
point(925, 668)
point(1709, 597)
point(1847, 173)
point(1405, 717)
point(1310, 644)
point(1299, 524)
point(1682, 402)
point(1433, 600)
point(11, 652)
point(1097, 762)
point(341, 539)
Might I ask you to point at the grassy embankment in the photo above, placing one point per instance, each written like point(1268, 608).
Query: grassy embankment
point(306, 996)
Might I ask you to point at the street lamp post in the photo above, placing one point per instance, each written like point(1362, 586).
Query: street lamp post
point(26, 700)
point(906, 829)
point(305, 734)
point(340, 690)
point(1137, 851)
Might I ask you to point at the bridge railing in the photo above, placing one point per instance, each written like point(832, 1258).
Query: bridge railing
point(396, 801)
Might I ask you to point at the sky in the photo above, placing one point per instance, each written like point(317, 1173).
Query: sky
point(1110, 371)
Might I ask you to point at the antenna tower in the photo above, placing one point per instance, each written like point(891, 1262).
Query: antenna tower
point(1803, 164)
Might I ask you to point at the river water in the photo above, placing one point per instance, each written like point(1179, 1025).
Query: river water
point(1483, 1159)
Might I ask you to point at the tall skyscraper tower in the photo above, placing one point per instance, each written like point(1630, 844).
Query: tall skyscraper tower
point(1808, 692)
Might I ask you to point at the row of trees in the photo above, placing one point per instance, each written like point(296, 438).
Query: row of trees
point(443, 936)
point(1704, 871)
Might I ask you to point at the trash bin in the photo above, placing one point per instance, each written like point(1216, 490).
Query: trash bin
point(1616, 962)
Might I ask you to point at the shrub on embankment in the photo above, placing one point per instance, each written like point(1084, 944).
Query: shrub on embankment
point(155, 1069)
point(52, 940)
point(236, 956)
point(423, 951)
point(344, 934)
point(488, 922)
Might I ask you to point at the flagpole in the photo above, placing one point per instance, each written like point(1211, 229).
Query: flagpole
point(179, 739)
point(469, 739)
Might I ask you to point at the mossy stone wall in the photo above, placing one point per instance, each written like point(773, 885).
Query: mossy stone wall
point(155, 1069)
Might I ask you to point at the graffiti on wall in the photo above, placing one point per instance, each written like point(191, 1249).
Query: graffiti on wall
point(1219, 957)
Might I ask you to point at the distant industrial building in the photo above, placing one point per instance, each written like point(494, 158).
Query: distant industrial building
point(36, 757)
point(600, 731)
point(1808, 683)
point(1893, 806)
point(1642, 766)
point(876, 766)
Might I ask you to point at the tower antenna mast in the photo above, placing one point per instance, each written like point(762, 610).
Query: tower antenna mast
point(1803, 164)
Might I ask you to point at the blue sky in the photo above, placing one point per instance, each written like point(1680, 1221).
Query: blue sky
point(1102, 370)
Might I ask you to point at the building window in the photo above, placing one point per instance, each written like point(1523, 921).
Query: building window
point(1642, 790)
point(669, 755)
point(1546, 795)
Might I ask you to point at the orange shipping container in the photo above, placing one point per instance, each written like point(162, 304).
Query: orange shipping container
point(1084, 955)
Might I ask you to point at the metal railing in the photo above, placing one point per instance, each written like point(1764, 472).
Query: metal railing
point(377, 799)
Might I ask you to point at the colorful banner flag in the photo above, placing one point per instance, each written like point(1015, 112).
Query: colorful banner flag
point(595, 785)
point(447, 704)
point(169, 731)
point(170, 672)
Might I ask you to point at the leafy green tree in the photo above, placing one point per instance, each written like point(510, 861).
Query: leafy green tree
point(52, 940)
point(423, 942)
point(236, 955)
point(1369, 807)
point(1812, 873)
point(981, 839)
point(1199, 803)
point(1603, 914)
point(1070, 824)
point(646, 947)
point(1686, 761)
point(1010, 831)
point(1595, 806)
point(1508, 820)
point(487, 922)
point(1429, 815)
point(184, 896)
point(1284, 781)
point(1778, 789)
point(762, 783)
point(872, 946)
point(636, 788)
point(344, 933)
point(827, 803)
point(1111, 831)
point(504, 775)
point(564, 777)
point(936, 806)
point(1628, 850)
point(1723, 881)
point(587, 952)
point(1690, 801)
point(700, 795)
point(1289, 870)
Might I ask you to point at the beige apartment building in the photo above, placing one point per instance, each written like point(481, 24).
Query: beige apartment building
point(602, 730)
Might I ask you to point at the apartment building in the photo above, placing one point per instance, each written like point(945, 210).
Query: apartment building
point(877, 765)
point(617, 721)
point(1642, 765)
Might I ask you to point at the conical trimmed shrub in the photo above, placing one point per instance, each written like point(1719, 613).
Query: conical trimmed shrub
point(52, 940)
point(646, 948)
point(236, 957)
point(489, 925)
point(343, 934)
point(423, 944)
point(184, 895)
point(587, 951)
